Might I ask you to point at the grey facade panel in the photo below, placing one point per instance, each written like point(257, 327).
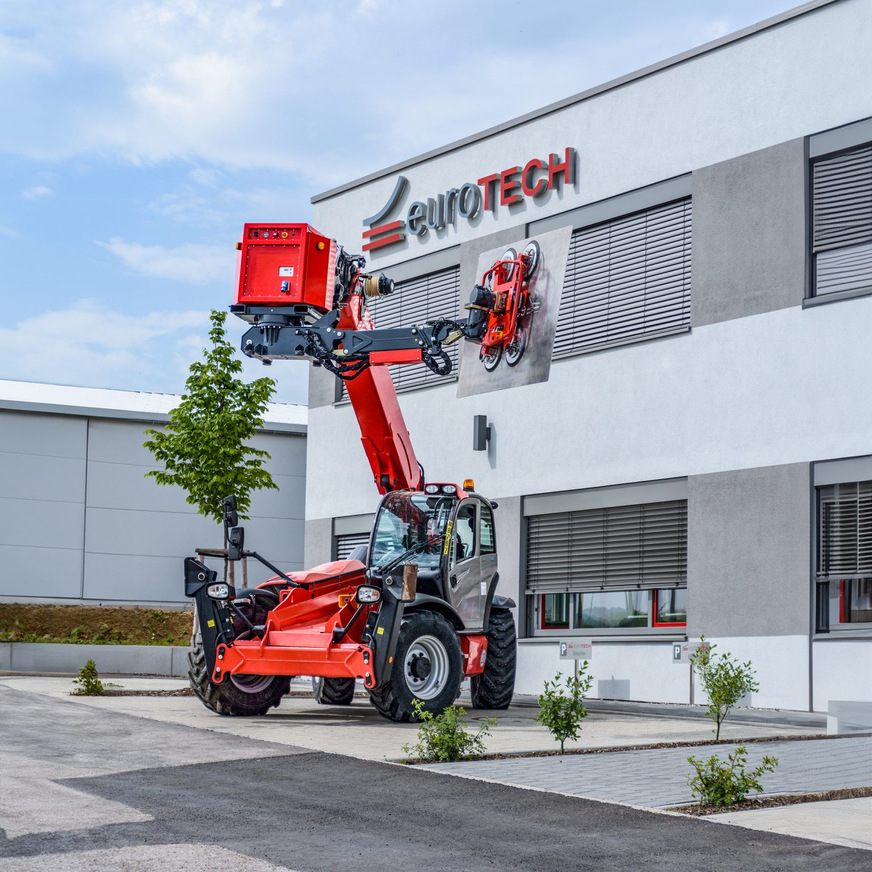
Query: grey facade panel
point(319, 542)
point(749, 552)
point(353, 524)
point(41, 523)
point(287, 453)
point(53, 573)
point(47, 435)
point(287, 503)
point(470, 252)
point(111, 441)
point(39, 477)
point(124, 486)
point(324, 388)
point(749, 234)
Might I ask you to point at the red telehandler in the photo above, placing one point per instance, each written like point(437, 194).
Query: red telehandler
point(416, 611)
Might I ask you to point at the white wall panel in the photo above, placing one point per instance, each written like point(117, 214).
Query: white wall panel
point(757, 391)
point(841, 671)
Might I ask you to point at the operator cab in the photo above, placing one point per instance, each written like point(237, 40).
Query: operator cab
point(449, 535)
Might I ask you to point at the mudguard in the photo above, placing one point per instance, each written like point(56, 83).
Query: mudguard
point(213, 616)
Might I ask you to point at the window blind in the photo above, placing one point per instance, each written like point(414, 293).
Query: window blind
point(842, 221)
point(413, 302)
point(347, 543)
point(626, 279)
point(641, 546)
point(845, 530)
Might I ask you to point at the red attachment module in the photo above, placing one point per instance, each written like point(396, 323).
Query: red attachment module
point(284, 265)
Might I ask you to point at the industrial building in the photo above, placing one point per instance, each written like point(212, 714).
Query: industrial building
point(81, 524)
point(700, 460)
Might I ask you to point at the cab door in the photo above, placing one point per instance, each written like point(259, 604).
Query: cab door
point(472, 562)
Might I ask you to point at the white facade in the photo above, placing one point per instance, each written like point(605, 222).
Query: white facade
point(743, 405)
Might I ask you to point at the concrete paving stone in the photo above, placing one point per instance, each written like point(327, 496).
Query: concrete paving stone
point(657, 778)
point(845, 822)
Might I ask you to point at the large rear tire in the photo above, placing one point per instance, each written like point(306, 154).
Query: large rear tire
point(494, 688)
point(428, 666)
point(333, 691)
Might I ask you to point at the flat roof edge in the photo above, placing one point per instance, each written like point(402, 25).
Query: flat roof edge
point(613, 84)
point(139, 415)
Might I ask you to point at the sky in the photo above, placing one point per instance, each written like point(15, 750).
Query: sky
point(138, 137)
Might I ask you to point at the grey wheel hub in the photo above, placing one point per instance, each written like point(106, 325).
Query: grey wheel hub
point(426, 667)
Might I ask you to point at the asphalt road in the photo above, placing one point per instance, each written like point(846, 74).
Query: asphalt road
point(83, 788)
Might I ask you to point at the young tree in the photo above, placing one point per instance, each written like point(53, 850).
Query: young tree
point(203, 449)
point(724, 680)
point(563, 713)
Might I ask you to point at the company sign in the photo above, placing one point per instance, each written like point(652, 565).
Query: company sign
point(506, 188)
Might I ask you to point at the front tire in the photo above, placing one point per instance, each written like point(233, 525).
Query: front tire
point(333, 691)
point(494, 688)
point(240, 695)
point(428, 666)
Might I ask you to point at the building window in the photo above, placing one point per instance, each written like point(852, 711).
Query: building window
point(421, 299)
point(621, 569)
point(844, 555)
point(344, 545)
point(842, 221)
point(626, 279)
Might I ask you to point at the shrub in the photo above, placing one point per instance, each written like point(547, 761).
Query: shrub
point(724, 680)
point(728, 782)
point(88, 682)
point(562, 712)
point(444, 738)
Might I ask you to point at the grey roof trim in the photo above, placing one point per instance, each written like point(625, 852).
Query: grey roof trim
point(618, 206)
point(125, 415)
point(839, 471)
point(838, 138)
point(661, 491)
point(614, 84)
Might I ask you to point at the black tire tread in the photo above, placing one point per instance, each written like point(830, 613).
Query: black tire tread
point(386, 697)
point(495, 687)
point(335, 691)
point(226, 698)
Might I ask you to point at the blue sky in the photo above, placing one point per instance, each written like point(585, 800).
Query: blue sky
point(138, 137)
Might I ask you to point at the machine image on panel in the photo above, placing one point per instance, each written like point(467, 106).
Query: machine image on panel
point(520, 289)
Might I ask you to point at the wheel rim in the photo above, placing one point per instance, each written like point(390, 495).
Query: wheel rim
point(491, 358)
point(251, 683)
point(426, 667)
point(510, 254)
point(515, 349)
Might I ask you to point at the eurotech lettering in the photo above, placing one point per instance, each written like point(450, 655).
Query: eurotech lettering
point(506, 188)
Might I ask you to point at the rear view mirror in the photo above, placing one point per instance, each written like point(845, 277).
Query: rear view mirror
point(235, 543)
point(231, 518)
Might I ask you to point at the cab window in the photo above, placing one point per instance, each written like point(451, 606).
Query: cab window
point(464, 533)
point(488, 540)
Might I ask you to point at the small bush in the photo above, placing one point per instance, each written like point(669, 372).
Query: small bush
point(444, 738)
point(724, 680)
point(88, 682)
point(728, 782)
point(562, 712)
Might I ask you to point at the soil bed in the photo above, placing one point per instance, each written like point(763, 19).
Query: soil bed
point(93, 625)
point(773, 801)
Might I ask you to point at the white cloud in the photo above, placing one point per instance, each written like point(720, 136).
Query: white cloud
point(190, 263)
point(327, 92)
point(37, 192)
point(90, 345)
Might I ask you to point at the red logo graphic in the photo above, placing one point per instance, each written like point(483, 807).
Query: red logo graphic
point(380, 234)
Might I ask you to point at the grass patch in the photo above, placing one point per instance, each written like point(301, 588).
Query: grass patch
point(93, 625)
